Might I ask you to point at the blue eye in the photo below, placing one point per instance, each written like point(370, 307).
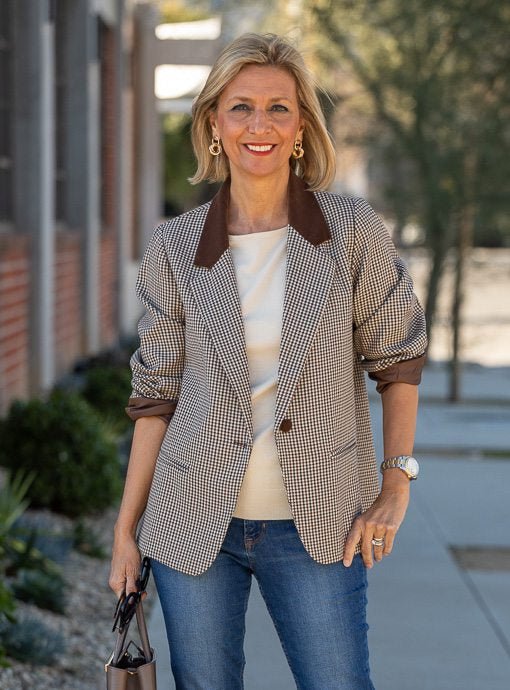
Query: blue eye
point(244, 107)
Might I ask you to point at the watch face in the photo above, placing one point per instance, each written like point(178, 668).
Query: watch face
point(412, 466)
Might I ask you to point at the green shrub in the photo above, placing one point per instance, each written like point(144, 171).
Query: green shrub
point(39, 588)
point(7, 608)
point(64, 441)
point(42, 545)
point(107, 389)
point(22, 554)
point(42, 536)
point(13, 504)
point(30, 640)
point(13, 501)
point(7, 603)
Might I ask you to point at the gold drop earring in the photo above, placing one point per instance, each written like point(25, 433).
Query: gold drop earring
point(215, 148)
point(298, 151)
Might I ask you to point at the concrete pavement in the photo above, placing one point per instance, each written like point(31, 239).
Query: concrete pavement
point(433, 624)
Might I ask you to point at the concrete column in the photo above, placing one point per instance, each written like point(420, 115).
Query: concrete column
point(35, 174)
point(148, 149)
point(123, 166)
point(83, 165)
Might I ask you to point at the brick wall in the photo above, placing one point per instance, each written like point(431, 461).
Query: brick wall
point(108, 292)
point(68, 307)
point(15, 308)
point(16, 378)
point(14, 318)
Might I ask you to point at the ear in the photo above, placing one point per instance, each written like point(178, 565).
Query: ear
point(213, 122)
point(299, 133)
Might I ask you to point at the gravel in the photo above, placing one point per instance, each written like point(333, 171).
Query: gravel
point(86, 627)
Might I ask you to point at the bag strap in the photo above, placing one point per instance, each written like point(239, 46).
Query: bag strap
point(142, 631)
point(120, 644)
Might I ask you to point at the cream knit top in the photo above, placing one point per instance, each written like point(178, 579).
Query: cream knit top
point(260, 261)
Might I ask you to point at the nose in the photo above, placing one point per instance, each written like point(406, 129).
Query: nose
point(259, 122)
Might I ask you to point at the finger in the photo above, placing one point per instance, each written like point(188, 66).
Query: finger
point(123, 580)
point(353, 539)
point(117, 583)
point(367, 550)
point(131, 580)
point(389, 541)
point(379, 535)
point(378, 550)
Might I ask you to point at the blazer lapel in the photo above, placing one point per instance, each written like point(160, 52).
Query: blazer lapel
point(217, 298)
point(309, 276)
point(214, 285)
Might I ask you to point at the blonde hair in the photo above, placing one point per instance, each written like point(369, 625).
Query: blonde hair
point(317, 167)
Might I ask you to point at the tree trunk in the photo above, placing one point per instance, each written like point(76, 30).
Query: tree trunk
point(438, 254)
point(455, 373)
point(465, 232)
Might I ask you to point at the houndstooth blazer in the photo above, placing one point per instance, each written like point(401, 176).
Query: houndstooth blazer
point(349, 307)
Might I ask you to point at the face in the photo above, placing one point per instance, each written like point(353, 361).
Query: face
point(258, 120)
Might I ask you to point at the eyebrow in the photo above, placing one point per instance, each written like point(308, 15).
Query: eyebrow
point(246, 98)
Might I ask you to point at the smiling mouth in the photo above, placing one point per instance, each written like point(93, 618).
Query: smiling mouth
point(260, 148)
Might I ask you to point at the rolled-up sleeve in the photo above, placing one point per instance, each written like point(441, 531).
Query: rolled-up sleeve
point(148, 407)
point(158, 363)
point(408, 371)
point(389, 323)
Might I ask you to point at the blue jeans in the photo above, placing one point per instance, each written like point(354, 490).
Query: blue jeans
point(318, 611)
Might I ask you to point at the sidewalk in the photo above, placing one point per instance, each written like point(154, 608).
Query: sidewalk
point(433, 624)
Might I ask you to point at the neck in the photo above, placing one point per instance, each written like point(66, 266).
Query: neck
point(257, 204)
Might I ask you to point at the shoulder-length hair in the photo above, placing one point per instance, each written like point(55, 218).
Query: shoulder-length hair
point(317, 166)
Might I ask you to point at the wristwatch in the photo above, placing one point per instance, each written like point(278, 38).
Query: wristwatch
point(406, 463)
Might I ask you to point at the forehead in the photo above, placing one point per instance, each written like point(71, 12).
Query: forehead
point(261, 80)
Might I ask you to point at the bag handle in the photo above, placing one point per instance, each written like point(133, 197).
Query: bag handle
point(142, 631)
point(120, 644)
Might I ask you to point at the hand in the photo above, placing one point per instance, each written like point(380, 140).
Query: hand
point(125, 567)
point(381, 520)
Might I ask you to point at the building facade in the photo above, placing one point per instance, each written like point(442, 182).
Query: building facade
point(80, 186)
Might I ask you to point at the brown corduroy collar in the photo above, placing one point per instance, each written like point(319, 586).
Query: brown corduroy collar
point(305, 216)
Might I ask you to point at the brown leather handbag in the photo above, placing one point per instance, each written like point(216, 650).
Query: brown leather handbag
point(132, 667)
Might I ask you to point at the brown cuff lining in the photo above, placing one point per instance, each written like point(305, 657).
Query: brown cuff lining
point(408, 371)
point(150, 407)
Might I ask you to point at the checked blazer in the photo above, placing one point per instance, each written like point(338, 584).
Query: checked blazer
point(349, 308)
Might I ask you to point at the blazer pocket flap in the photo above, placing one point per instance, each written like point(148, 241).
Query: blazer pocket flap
point(344, 449)
point(178, 463)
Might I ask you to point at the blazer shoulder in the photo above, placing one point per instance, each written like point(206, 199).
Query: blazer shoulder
point(185, 222)
point(349, 213)
point(333, 199)
point(349, 205)
point(179, 236)
point(338, 210)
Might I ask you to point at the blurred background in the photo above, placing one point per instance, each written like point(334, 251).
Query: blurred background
point(95, 99)
point(95, 103)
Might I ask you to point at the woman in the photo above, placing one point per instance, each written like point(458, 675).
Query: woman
point(252, 451)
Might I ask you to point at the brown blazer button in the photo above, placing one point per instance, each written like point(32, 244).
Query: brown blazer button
point(286, 425)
